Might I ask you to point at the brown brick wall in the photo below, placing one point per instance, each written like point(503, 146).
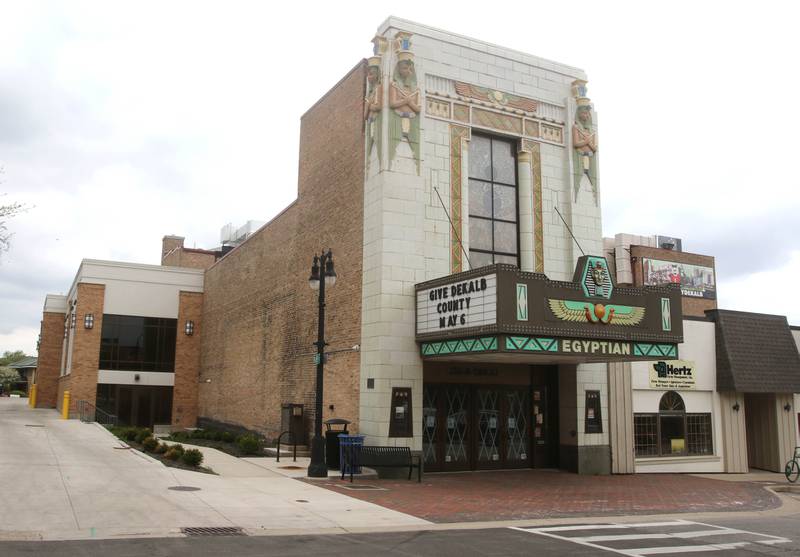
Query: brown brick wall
point(694, 307)
point(187, 361)
point(49, 363)
point(259, 314)
point(86, 345)
point(196, 259)
point(174, 254)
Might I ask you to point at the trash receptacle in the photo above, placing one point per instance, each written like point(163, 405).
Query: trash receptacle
point(332, 440)
point(351, 445)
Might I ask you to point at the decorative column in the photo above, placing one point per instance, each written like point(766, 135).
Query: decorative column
point(526, 218)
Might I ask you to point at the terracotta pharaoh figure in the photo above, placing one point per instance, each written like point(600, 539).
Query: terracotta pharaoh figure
point(372, 107)
point(404, 102)
point(584, 143)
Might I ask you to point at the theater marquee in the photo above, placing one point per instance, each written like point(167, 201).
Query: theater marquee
point(498, 309)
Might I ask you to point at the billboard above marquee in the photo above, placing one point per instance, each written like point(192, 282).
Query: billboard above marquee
point(696, 281)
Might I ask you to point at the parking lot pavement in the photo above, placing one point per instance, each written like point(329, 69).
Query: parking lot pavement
point(63, 479)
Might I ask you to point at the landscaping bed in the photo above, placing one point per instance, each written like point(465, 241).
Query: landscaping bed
point(175, 456)
point(245, 444)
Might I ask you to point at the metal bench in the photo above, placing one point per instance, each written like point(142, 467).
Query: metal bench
point(380, 457)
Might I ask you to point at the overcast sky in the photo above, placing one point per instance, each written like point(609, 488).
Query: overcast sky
point(122, 123)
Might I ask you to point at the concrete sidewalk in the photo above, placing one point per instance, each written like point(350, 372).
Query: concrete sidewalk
point(69, 480)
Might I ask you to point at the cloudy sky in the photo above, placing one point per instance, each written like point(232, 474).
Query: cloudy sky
point(120, 123)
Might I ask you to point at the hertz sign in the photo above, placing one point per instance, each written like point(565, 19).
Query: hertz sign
point(672, 375)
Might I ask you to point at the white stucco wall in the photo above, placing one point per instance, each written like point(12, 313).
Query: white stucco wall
point(138, 289)
point(698, 347)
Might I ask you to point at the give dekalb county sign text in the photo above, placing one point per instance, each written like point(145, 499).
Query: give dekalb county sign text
point(467, 303)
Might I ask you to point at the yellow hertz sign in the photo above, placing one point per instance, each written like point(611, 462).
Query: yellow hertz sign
point(672, 374)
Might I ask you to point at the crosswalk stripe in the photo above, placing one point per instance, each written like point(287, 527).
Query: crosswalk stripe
point(610, 526)
point(623, 537)
point(684, 548)
point(562, 538)
point(716, 532)
point(597, 541)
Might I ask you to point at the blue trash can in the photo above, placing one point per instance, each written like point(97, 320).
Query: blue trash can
point(350, 453)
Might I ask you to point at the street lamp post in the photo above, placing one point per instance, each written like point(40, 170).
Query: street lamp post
point(322, 272)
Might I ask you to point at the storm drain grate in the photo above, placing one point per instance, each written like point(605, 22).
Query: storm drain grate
point(363, 487)
point(213, 531)
point(183, 488)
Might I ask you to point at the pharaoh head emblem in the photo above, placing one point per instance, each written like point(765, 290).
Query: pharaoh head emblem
point(598, 274)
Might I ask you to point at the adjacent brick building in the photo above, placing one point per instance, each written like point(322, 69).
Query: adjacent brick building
point(120, 341)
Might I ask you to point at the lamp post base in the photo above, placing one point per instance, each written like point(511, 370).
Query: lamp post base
point(317, 468)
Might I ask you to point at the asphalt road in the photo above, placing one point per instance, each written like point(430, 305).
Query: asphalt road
point(734, 536)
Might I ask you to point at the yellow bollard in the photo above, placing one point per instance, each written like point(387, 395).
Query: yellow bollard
point(32, 396)
point(65, 406)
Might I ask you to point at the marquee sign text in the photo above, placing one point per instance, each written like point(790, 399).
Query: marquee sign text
point(467, 303)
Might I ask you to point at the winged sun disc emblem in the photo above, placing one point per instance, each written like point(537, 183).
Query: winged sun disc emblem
point(570, 310)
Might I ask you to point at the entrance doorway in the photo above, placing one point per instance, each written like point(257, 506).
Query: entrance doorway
point(136, 405)
point(486, 427)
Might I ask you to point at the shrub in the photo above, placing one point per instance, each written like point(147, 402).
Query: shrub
point(174, 452)
point(150, 444)
point(162, 448)
point(129, 433)
point(141, 435)
point(249, 443)
point(228, 437)
point(198, 434)
point(180, 435)
point(192, 457)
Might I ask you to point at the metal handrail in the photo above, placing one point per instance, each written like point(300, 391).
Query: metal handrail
point(88, 413)
point(294, 445)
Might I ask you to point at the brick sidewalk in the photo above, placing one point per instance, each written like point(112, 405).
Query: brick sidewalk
point(534, 494)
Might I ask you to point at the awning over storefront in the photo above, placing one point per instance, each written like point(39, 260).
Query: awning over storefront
point(498, 313)
point(756, 353)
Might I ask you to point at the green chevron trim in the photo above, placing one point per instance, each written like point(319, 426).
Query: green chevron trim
point(484, 344)
point(655, 350)
point(531, 344)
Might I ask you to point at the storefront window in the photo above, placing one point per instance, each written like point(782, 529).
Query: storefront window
point(672, 432)
point(493, 233)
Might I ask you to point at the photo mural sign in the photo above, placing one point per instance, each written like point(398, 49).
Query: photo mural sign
point(696, 281)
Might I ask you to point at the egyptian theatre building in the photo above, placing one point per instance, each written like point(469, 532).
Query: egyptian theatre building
point(476, 315)
point(448, 176)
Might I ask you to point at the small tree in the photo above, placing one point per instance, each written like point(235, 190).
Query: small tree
point(8, 376)
point(9, 357)
point(6, 212)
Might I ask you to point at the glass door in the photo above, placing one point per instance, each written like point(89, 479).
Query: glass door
point(456, 450)
point(430, 422)
point(517, 432)
point(489, 426)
